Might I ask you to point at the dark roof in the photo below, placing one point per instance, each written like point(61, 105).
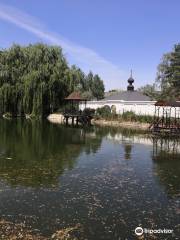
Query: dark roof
point(76, 96)
point(129, 96)
point(167, 103)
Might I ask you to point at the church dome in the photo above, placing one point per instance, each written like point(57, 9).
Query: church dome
point(130, 87)
point(130, 80)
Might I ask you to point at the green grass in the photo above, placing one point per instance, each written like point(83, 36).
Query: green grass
point(105, 113)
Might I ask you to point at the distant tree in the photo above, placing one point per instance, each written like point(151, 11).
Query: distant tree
point(97, 87)
point(112, 92)
point(168, 74)
point(87, 95)
point(77, 79)
point(115, 90)
point(89, 80)
point(162, 78)
point(149, 90)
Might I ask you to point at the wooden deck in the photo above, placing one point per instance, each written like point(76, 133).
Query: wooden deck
point(77, 118)
point(166, 118)
point(166, 127)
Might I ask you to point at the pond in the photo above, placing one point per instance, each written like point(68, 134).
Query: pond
point(108, 181)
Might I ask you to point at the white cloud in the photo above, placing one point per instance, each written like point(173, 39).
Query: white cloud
point(85, 57)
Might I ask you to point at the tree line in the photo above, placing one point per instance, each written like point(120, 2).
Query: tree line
point(167, 83)
point(35, 79)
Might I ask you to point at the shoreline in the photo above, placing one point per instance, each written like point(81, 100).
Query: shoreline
point(123, 124)
point(58, 118)
point(55, 118)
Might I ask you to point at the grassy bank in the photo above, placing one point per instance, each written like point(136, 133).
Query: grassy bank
point(106, 117)
point(123, 124)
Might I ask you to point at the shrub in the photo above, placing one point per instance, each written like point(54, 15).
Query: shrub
point(106, 113)
point(129, 116)
point(103, 112)
point(89, 111)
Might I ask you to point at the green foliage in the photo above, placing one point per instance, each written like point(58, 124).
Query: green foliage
point(91, 86)
point(106, 113)
point(149, 90)
point(131, 116)
point(87, 95)
point(95, 85)
point(32, 79)
point(168, 75)
point(103, 112)
point(35, 79)
point(88, 112)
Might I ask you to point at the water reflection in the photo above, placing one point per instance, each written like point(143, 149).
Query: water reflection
point(166, 157)
point(37, 153)
point(127, 150)
point(53, 177)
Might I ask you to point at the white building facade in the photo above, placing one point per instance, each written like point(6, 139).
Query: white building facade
point(120, 106)
point(129, 100)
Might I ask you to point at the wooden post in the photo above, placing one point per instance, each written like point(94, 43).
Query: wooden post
point(163, 118)
point(66, 120)
point(170, 124)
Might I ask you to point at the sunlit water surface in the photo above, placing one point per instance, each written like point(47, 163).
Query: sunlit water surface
point(106, 180)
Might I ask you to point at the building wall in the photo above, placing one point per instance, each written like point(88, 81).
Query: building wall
point(138, 107)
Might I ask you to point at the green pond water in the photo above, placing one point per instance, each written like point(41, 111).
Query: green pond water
point(106, 180)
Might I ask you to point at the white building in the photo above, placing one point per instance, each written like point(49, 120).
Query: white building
point(129, 100)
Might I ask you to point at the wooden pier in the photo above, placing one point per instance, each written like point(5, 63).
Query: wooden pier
point(76, 119)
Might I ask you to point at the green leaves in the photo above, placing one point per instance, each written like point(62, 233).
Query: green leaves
point(149, 90)
point(26, 76)
point(35, 80)
point(168, 76)
point(97, 87)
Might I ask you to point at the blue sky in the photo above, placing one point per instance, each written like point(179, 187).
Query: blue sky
point(108, 37)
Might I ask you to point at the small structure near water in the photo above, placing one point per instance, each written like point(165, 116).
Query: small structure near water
point(73, 115)
point(166, 117)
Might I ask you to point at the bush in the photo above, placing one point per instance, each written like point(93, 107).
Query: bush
point(129, 116)
point(106, 113)
point(103, 112)
point(88, 111)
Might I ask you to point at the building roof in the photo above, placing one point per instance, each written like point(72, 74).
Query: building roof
point(128, 96)
point(76, 96)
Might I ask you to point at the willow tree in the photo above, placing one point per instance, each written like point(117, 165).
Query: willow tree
point(35, 79)
point(32, 79)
